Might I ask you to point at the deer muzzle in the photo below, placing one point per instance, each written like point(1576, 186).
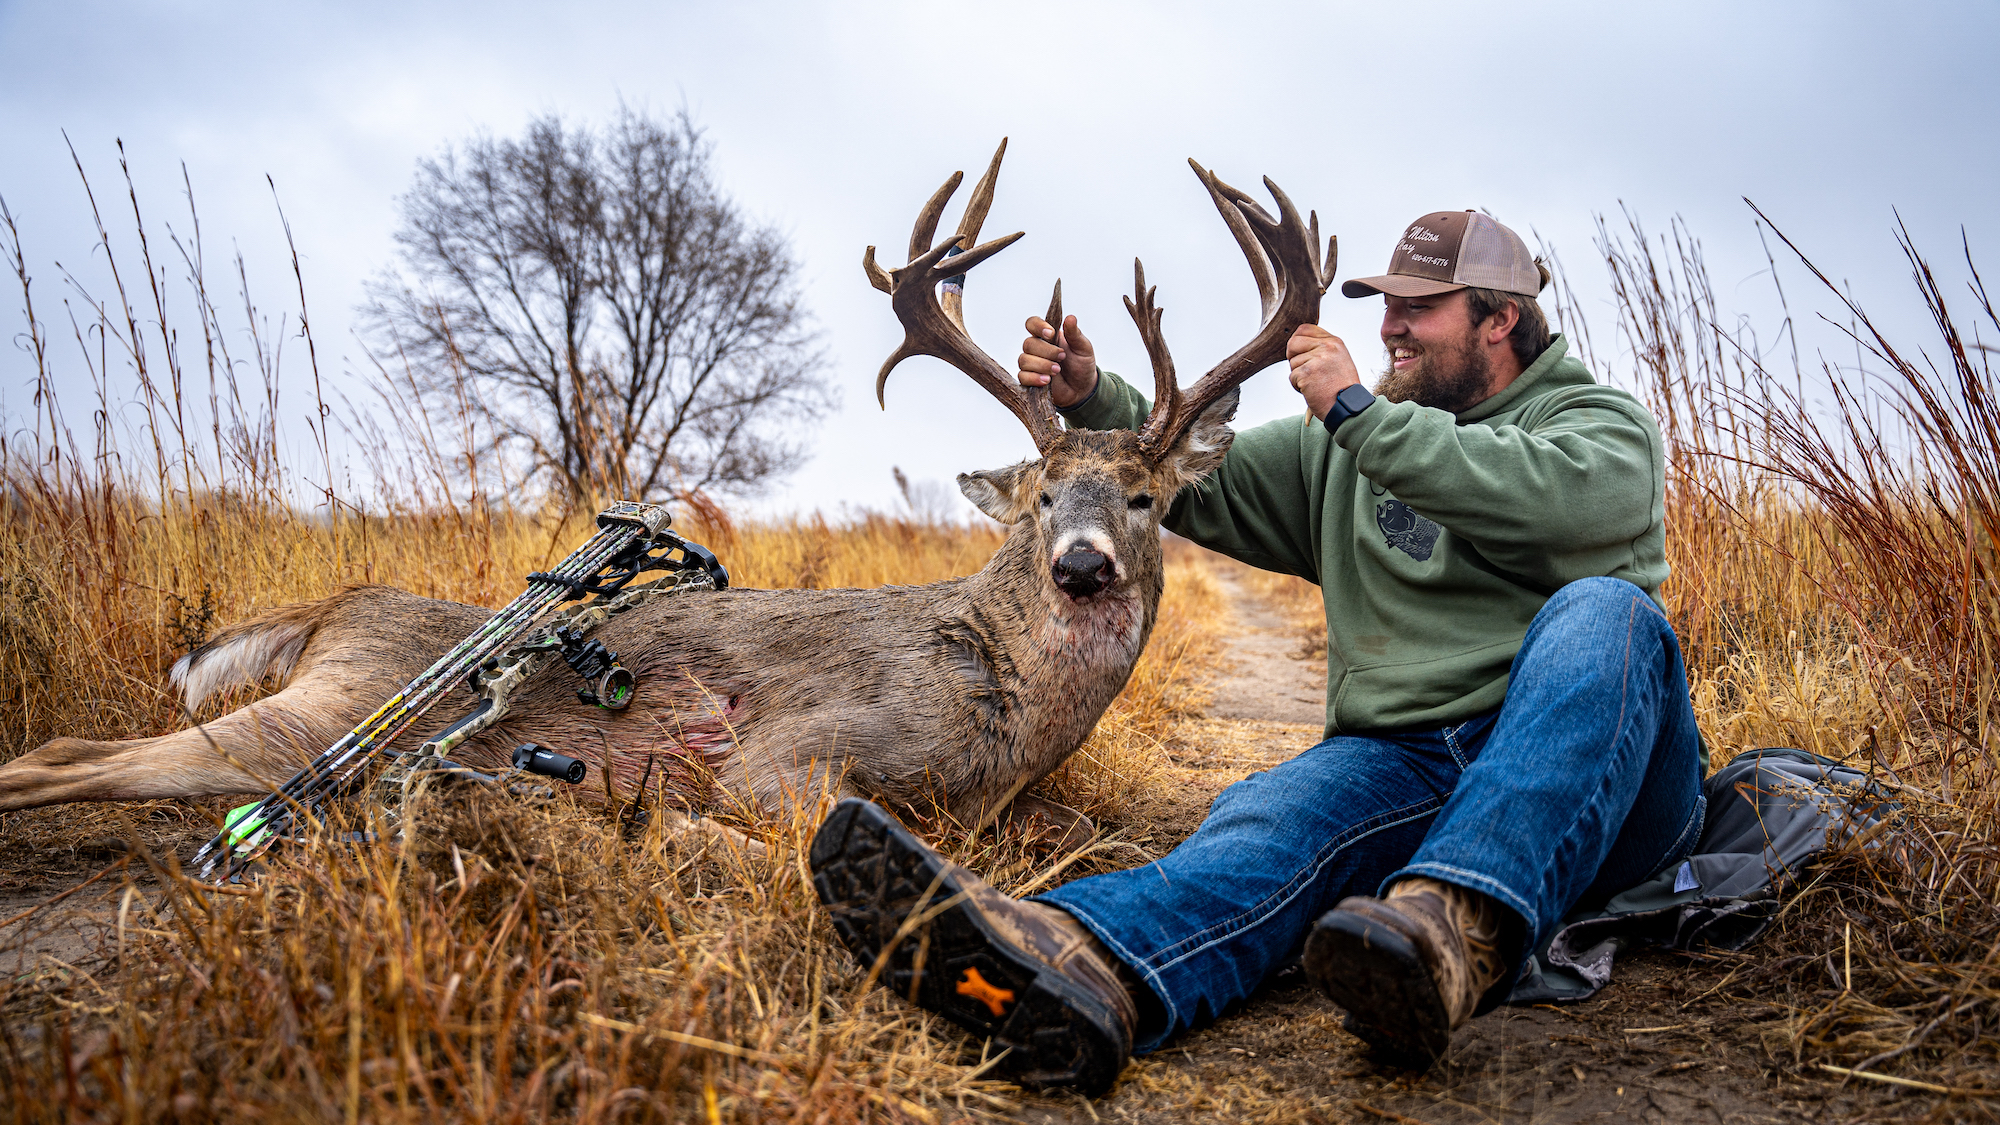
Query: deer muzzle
point(1081, 572)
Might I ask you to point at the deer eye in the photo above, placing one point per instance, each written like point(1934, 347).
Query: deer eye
point(1140, 502)
point(1046, 502)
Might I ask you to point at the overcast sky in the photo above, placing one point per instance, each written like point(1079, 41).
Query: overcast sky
point(835, 121)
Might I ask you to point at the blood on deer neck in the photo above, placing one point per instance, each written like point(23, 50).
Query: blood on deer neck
point(1078, 650)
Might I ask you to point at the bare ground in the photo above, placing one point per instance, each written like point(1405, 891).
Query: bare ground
point(62, 875)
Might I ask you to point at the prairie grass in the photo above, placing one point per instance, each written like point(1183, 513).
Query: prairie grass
point(512, 962)
point(518, 961)
point(1833, 587)
point(1833, 539)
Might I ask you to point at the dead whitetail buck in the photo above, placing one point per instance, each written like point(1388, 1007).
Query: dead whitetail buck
point(954, 696)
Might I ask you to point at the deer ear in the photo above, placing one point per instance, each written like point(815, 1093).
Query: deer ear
point(1200, 450)
point(1000, 493)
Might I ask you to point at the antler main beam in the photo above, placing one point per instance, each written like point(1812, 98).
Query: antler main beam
point(935, 328)
point(1285, 262)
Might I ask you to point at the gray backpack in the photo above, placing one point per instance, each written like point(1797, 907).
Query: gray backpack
point(1770, 814)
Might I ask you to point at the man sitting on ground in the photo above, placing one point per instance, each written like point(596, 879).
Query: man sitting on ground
point(1508, 731)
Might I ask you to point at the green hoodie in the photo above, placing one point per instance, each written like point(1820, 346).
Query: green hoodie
point(1434, 538)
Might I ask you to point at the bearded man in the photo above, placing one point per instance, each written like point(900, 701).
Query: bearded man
point(1508, 732)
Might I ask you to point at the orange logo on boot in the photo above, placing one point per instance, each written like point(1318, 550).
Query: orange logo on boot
point(975, 986)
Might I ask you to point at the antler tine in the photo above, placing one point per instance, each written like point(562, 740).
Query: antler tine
point(927, 219)
point(1039, 403)
point(968, 234)
point(877, 276)
point(929, 328)
point(1323, 272)
point(1286, 249)
point(982, 199)
point(1253, 249)
point(1312, 240)
point(1166, 387)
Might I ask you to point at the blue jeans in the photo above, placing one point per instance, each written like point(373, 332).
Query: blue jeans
point(1586, 781)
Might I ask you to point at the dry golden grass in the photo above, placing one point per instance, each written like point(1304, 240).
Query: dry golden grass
point(521, 963)
point(511, 962)
point(515, 961)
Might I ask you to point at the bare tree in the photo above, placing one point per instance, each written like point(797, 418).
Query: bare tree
point(602, 307)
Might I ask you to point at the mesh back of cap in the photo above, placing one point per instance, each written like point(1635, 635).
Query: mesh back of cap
point(1493, 257)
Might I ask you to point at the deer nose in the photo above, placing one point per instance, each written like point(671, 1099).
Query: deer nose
point(1082, 572)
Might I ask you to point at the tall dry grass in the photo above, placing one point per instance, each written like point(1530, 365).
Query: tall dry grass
point(1832, 531)
point(515, 963)
point(1833, 546)
point(511, 962)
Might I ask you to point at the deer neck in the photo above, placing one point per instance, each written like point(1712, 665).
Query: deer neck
point(1067, 654)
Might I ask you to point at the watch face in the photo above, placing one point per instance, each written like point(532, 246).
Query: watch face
point(1347, 403)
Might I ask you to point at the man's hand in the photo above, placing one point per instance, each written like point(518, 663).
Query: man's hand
point(1321, 367)
point(1064, 361)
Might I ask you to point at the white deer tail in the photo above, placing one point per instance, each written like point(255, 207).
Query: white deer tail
point(243, 655)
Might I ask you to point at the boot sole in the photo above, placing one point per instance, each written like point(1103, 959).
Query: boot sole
point(1380, 978)
point(871, 873)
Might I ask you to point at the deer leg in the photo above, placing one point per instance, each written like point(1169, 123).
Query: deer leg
point(73, 769)
point(1041, 816)
point(250, 750)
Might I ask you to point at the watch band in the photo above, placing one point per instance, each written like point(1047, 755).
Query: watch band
point(1352, 400)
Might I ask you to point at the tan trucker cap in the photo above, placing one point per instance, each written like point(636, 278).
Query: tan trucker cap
point(1447, 250)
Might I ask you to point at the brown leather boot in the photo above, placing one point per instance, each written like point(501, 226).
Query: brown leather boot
point(1028, 976)
point(1409, 968)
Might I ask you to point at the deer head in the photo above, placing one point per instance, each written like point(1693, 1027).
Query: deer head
point(1094, 500)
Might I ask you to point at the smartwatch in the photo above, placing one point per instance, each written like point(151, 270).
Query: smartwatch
point(1351, 400)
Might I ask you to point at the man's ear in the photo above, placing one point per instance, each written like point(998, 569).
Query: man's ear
point(1200, 450)
point(1002, 493)
point(1502, 321)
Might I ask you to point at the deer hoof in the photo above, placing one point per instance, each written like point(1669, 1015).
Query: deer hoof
point(1055, 827)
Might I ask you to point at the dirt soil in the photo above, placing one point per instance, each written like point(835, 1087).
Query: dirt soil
point(62, 874)
point(1667, 1041)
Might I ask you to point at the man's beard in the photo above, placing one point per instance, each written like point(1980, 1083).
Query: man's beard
point(1453, 377)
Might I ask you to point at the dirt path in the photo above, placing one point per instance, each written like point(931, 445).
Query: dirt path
point(1665, 1042)
point(1267, 681)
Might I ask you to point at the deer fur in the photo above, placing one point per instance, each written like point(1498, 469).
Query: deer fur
point(954, 696)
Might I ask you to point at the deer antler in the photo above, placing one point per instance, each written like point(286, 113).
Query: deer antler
point(1285, 262)
point(934, 329)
